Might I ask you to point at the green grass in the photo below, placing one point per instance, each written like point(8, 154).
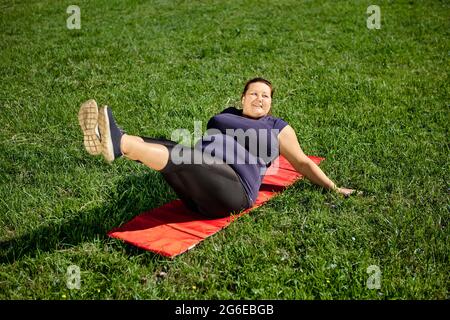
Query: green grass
point(375, 103)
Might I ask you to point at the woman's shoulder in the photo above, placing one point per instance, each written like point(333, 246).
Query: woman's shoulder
point(277, 123)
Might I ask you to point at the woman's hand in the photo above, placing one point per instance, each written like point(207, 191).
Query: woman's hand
point(291, 150)
point(347, 192)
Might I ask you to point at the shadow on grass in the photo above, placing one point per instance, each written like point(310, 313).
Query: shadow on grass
point(126, 202)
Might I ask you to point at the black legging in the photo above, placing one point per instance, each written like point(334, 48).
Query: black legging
point(214, 190)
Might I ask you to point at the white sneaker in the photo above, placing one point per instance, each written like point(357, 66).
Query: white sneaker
point(111, 134)
point(88, 120)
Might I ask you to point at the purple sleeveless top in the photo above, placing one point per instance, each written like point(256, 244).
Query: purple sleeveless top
point(248, 145)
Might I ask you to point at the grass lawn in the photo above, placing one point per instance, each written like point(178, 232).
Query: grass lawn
point(373, 102)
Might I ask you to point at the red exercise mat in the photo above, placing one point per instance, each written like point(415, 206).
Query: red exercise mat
point(173, 229)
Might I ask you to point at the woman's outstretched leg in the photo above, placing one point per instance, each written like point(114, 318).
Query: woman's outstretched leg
point(212, 189)
point(152, 155)
point(116, 143)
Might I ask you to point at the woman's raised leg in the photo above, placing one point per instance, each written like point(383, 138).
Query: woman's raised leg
point(213, 189)
point(115, 143)
point(152, 155)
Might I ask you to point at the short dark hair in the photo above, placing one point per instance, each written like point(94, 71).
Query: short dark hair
point(249, 82)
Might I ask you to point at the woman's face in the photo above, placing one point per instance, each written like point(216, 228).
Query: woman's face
point(257, 101)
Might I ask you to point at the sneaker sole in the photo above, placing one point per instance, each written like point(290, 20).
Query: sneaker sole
point(105, 132)
point(88, 119)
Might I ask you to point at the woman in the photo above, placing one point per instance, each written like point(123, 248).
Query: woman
point(234, 154)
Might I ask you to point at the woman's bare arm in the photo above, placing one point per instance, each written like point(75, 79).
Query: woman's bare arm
point(291, 150)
